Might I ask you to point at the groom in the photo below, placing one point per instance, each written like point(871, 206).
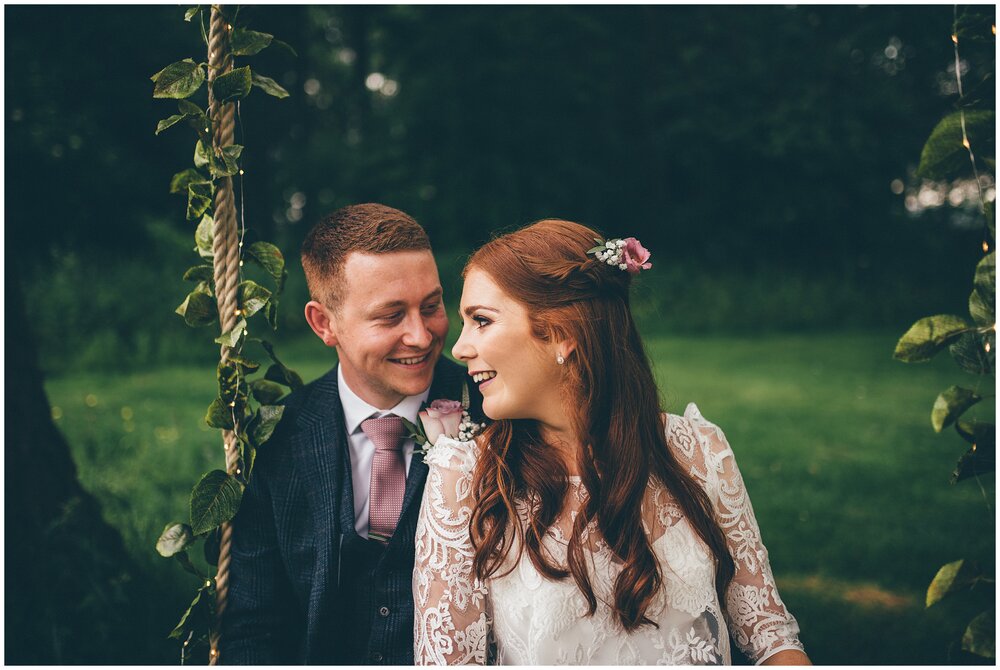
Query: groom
point(322, 553)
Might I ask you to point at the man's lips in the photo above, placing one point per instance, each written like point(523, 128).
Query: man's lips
point(412, 361)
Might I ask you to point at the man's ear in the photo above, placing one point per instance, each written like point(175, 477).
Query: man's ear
point(322, 322)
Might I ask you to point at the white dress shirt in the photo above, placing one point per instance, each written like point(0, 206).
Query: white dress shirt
point(362, 450)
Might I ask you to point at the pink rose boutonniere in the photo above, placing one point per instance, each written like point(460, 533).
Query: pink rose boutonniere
point(443, 417)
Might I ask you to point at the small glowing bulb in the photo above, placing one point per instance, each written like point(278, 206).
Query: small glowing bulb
point(238, 471)
point(973, 447)
point(208, 582)
point(232, 404)
point(241, 263)
point(241, 244)
point(241, 172)
point(954, 38)
point(965, 142)
point(994, 29)
point(236, 311)
point(229, 26)
point(987, 347)
point(986, 247)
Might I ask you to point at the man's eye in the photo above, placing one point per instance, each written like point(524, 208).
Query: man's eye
point(431, 308)
point(390, 317)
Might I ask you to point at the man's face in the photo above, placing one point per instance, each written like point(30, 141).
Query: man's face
point(390, 326)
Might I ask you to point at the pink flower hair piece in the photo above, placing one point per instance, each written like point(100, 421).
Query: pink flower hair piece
point(635, 255)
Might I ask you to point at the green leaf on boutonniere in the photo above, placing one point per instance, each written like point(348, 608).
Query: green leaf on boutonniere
point(416, 433)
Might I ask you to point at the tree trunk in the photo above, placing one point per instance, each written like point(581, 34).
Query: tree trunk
point(68, 579)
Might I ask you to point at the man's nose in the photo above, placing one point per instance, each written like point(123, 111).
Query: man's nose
point(417, 334)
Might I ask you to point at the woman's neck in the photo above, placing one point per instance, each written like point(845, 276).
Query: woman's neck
point(565, 441)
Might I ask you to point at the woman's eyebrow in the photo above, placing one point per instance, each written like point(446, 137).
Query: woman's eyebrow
point(472, 308)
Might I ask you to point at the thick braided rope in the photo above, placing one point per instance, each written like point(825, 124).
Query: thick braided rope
point(227, 273)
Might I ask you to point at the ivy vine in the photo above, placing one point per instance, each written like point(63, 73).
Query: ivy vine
point(248, 407)
point(957, 148)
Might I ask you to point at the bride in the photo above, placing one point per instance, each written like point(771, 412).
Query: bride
point(582, 526)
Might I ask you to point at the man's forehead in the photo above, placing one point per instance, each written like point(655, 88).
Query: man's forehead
point(395, 277)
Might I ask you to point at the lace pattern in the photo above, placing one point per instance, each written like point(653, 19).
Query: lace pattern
point(537, 621)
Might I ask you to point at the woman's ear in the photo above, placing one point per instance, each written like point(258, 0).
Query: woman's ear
point(323, 322)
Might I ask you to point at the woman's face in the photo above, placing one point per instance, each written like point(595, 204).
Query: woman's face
point(516, 373)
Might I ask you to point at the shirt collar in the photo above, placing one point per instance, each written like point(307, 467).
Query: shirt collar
point(357, 410)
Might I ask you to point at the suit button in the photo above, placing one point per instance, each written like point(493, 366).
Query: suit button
point(377, 657)
point(384, 611)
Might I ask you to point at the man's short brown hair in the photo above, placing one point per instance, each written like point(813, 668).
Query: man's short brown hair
point(370, 229)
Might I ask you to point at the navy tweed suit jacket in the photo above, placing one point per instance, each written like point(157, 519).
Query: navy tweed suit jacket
point(284, 605)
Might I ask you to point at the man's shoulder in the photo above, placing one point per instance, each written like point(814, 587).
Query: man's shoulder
point(307, 406)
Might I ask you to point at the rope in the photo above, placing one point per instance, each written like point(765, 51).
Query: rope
point(227, 274)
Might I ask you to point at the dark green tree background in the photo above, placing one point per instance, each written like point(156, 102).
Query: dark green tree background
point(765, 154)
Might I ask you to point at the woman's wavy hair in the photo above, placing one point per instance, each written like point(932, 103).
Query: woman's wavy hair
point(615, 409)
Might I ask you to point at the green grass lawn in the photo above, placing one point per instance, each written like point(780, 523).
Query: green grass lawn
point(848, 480)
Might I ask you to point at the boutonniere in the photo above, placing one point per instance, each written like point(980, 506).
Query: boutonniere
point(443, 417)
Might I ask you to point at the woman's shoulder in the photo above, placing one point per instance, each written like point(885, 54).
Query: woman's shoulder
point(691, 433)
point(449, 453)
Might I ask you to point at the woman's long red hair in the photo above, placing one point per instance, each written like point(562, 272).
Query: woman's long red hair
point(616, 413)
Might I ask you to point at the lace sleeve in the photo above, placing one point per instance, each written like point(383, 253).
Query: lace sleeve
point(450, 621)
point(758, 619)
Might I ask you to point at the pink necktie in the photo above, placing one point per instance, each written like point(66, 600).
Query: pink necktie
point(385, 498)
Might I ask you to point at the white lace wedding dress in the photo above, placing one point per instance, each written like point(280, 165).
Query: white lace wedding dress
point(537, 621)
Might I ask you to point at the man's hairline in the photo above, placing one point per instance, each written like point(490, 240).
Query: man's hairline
point(334, 302)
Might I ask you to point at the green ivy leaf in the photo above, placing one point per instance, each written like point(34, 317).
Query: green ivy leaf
point(928, 336)
point(232, 385)
point(247, 366)
point(269, 86)
point(981, 457)
point(277, 372)
point(285, 45)
point(978, 460)
point(199, 199)
point(178, 80)
point(971, 355)
point(266, 392)
point(982, 302)
point(268, 257)
point(950, 405)
point(219, 415)
point(197, 616)
point(191, 13)
point(944, 156)
point(232, 338)
point(980, 636)
point(198, 309)
point(179, 182)
point(200, 273)
point(268, 417)
point(213, 543)
point(950, 578)
point(249, 42)
point(271, 312)
point(163, 124)
point(225, 165)
point(214, 501)
point(232, 85)
point(202, 154)
point(174, 538)
point(204, 237)
point(252, 297)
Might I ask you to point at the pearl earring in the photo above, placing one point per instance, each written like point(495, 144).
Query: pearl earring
point(560, 360)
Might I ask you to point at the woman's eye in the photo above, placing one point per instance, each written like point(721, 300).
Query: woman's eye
point(481, 322)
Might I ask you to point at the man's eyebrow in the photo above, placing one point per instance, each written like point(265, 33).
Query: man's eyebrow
point(472, 308)
point(436, 293)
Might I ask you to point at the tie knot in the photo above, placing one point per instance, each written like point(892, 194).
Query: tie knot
point(384, 432)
